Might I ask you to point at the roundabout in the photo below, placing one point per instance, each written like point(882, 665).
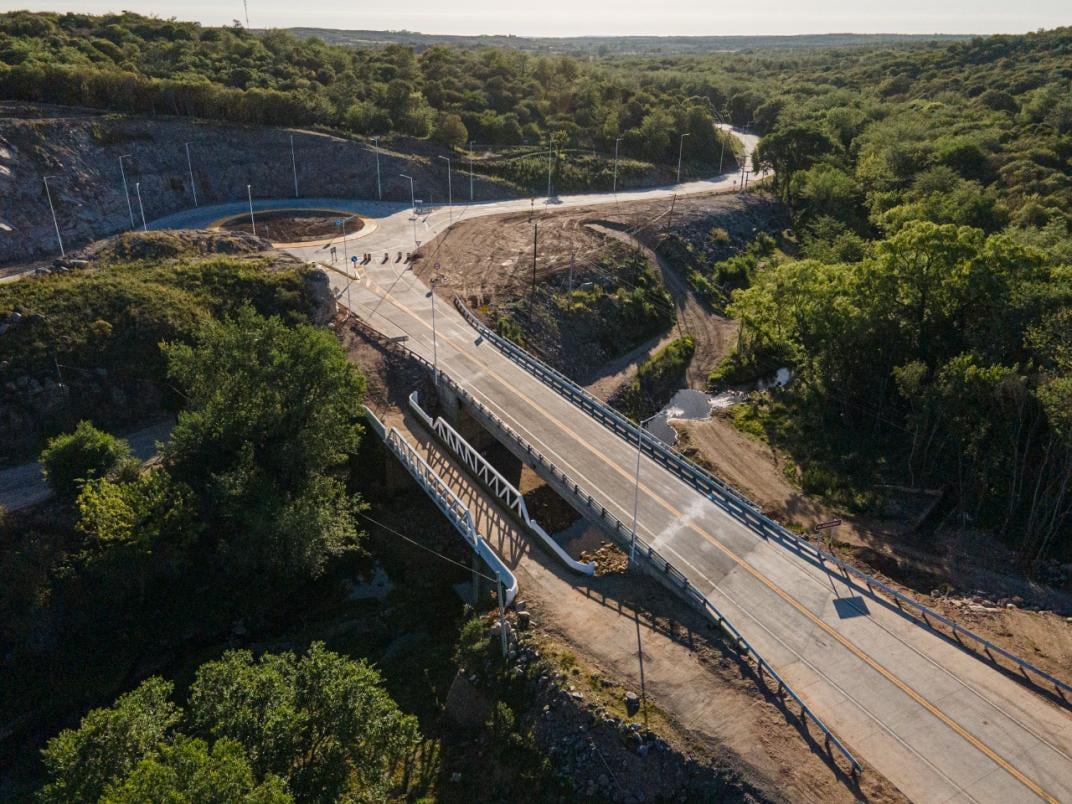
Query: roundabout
point(299, 227)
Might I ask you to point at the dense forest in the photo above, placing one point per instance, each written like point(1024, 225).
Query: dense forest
point(928, 314)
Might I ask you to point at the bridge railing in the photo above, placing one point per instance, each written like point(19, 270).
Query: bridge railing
point(506, 492)
point(446, 501)
point(656, 565)
point(737, 505)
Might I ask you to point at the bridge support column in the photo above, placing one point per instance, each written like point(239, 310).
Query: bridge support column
point(452, 409)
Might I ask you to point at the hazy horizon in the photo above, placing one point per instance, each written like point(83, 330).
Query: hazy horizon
point(565, 18)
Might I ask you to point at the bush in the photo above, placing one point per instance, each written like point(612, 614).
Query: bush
point(87, 453)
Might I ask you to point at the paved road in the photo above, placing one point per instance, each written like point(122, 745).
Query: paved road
point(938, 723)
point(24, 485)
point(398, 229)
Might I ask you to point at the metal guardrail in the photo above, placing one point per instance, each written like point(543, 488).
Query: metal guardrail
point(447, 502)
point(507, 493)
point(657, 565)
point(737, 505)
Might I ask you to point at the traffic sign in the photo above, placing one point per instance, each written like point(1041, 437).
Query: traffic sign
point(353, 258)
point(833, 523)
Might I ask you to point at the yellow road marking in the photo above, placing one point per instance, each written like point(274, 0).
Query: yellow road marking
point(952, 724)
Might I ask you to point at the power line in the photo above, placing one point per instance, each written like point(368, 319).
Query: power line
point(425, 547)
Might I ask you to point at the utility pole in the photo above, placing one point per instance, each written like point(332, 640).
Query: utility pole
point(379, 186)
point(670, 217)
point(532, 294)
point(294, 165)
point(680, 151)
point(450, 192)
point(252, 220)
point(470, 171)
point(615, 189)
point(722, 152)
point(126, 191)
point(141, 207)
point(190, 167)
point(54, 221)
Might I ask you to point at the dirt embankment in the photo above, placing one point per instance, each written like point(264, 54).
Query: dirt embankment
point(81, 150)
point(489, 263)
point(949, 571)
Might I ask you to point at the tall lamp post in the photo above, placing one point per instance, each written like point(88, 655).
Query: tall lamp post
point(435, 349)
point(53, 210)
point(470, 171)
point(548, 168)
point(636, 489)
point(252, 220)
point(379, 186)
point(616, 141)
point(126, 191)
point(412, 197)
point(450, 191)
point(680, 151)
point(294, 165)
point(141, 207)
point(190, 167)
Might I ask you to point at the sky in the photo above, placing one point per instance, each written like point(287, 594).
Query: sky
point(589, 17)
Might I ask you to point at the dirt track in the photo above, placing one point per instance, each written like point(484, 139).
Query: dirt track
point(489, 262)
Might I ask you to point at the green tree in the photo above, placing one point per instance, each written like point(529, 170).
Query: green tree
point(86, 453)
point(451, 130)
point(188, 770)
point(321, 722)
point(108, 744)
point(272, 413)
point(789, 149)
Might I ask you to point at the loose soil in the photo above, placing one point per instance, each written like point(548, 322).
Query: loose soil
point(295, 226)
point(488, 262)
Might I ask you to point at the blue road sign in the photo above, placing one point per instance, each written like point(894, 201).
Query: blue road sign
point(353, 258)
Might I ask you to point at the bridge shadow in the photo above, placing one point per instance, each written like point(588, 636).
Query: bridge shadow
point(658, 612)
point(498, 527)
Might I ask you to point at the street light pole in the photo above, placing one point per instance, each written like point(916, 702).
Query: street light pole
point(616, 141)
point(141, 207)
point(379, 186)
point(680, 151)
point(636, 490)
point(450, 192)
point(470, 171)
point(435, 350)
point(190, 166)
point(294, 165)
point(252, 220)
point(126, 191)
point(548, 168)
point(412, 197)
point(53, 210)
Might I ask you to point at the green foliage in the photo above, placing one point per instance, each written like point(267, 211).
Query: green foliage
point(188, 770)
point(108, 744)
point(657, 378)
point(71, 459)
point(271, 415)
point(320, 722)
point(946, 334)
point(311, 727)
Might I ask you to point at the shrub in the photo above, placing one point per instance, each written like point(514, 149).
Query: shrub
point(87, 453)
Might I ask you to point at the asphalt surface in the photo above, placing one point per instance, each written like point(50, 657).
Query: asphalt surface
point(939, 723)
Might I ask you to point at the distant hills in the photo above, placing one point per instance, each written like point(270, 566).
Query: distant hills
point(622, 45)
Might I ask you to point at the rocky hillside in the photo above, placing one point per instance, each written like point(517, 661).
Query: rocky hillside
point(82, 149)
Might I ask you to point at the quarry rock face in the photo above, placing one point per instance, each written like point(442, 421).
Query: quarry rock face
point(81, 150)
